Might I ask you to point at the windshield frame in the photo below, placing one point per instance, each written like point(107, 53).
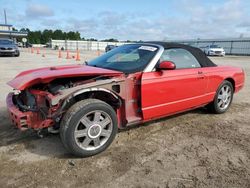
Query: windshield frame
point(150, 65)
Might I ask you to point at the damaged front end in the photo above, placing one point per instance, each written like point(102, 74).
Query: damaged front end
point(42, 105)
point(31, 109)
point(41, 95)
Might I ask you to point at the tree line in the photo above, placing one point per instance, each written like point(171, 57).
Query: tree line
point(43, 37)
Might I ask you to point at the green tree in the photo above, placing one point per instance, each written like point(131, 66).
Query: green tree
point(58, 35)
point(25, 30)
point(92, 39)
point(43, 37)
point(110, 40)
point(46, 36)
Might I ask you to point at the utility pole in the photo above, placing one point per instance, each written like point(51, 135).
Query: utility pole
point(5, 17)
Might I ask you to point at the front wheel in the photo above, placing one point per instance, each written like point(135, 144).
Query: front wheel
point(88, 127)
point(18, 54)
point(223, 98)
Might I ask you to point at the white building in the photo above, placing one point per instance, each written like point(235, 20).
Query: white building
point(6, 31)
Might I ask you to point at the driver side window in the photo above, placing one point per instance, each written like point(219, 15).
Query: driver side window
point(180, 57)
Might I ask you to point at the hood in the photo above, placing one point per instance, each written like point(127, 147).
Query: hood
point(45, 75)
point(8, 46)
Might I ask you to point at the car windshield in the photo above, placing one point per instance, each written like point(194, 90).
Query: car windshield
point(128, 58)
point(6, 42)
point(214, 46)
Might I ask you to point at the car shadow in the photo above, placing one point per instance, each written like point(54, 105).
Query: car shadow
point(51, 146)
point(11, 138)
point(6, 56)
point(201, 111)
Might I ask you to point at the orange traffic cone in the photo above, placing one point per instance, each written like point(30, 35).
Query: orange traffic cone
point(59, 54)
point(98, 52)
point(68, 56)
point(78, 55)
point(38, 51)
point(32, 50)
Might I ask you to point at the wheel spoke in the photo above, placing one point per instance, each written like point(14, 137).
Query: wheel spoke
point(86, 142)
point(228, 99)
point(97, 116)
point(226, 90)
point(85, 121)
point(220, 96)
point(220, 103)
point(105, 122)
point(97, 141)
point(105, 133)
point(81, 133)
point(223, 104)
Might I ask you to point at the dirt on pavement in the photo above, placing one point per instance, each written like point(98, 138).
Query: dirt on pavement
point(192, 149)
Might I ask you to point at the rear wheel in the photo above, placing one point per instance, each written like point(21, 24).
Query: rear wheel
point(223, 98)
point(88, 127)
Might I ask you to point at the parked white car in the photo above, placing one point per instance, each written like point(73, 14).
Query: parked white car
point(214, 50)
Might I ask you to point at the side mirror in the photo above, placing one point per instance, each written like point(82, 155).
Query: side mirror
point(166, 65)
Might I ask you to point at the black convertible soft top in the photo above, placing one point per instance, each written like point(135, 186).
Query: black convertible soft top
point(198, 53)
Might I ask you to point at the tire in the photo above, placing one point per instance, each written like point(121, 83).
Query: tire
point(17, 55)
point(222, 102)
point(88, 127)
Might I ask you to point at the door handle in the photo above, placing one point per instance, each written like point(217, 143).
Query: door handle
point(201, 76)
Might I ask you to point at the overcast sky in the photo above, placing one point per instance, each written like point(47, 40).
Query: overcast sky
point(133, 19)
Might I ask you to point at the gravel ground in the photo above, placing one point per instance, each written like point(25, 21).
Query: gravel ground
point(192, 149)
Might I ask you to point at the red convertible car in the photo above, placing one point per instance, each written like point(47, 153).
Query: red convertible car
point(131, 84)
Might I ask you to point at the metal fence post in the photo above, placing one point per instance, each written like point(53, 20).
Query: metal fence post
point(66, 45)
point(231, 47)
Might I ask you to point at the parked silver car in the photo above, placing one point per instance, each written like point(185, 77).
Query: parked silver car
point(8, 47)
point(214, 50)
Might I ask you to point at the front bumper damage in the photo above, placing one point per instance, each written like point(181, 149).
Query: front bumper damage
point(44, 109)
point(28, 119)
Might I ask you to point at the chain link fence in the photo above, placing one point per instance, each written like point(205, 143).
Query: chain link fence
point(238, 46)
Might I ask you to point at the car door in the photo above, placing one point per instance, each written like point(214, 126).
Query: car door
point(167, 92)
